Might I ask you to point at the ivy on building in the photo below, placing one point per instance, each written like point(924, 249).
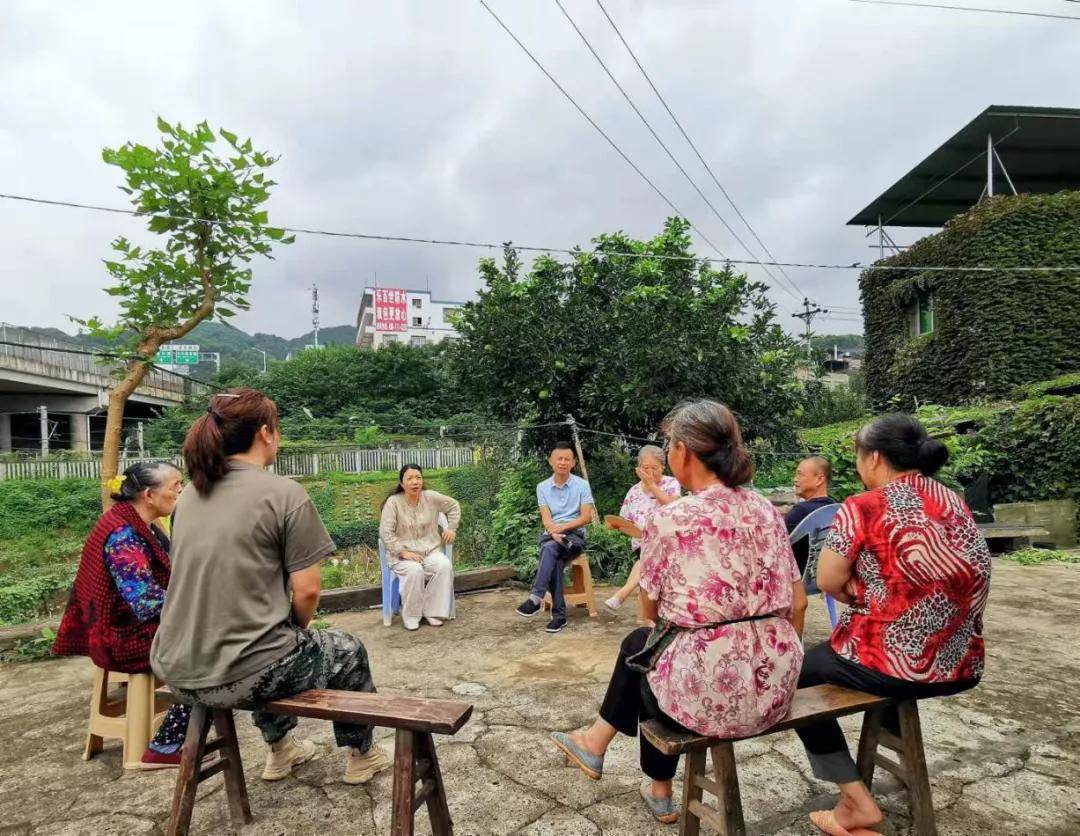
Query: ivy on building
point(990, 332)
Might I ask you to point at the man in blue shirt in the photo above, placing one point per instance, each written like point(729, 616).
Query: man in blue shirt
point(566, 507)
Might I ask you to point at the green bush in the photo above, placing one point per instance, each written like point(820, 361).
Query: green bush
point(31, 506)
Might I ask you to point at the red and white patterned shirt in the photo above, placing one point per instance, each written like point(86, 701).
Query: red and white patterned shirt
point(922, 573)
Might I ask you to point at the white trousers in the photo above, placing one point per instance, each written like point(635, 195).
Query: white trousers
point(425, 587)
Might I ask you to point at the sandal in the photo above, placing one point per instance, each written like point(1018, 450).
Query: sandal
point(592, 765)
point(825, 821)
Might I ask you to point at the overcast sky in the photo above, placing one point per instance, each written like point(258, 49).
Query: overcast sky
point(425, 119)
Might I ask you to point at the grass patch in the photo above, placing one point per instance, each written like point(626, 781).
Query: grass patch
point(1033, 557)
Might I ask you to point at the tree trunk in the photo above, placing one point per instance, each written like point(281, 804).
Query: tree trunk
point(114, 424)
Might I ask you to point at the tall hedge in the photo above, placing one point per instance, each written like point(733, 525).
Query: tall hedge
point(993, 330)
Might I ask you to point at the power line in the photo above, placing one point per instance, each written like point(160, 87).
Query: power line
point(663, 145)
point(856, 265)
point(592, 122)
point(965, 9)
point(690, 142)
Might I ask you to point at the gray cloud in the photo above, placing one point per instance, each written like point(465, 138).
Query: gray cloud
point(424, 119)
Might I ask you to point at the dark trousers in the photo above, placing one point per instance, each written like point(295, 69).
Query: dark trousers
point(826, 748)
point(549, 575)
point(629, 700)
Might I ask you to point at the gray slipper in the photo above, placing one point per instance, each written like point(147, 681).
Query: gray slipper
point(592, 765)
point(663, 809)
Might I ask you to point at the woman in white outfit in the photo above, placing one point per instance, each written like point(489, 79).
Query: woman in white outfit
point(409, 527)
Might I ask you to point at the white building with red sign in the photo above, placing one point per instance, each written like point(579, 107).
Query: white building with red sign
point(394, 315)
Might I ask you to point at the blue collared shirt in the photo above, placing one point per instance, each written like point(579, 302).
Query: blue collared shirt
point(564, 502)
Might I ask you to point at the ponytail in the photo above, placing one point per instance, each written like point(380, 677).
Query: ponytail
point(231, 422)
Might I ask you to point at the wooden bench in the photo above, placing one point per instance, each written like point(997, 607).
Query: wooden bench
point(1012, 533)
point(414, 752)
point(821, 702)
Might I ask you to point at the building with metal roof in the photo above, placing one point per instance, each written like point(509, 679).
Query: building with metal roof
point(1003, 150)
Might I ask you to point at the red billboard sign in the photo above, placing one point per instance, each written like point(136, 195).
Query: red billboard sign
point(391, 309)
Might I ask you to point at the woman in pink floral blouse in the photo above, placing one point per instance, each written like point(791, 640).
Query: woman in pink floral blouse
point(723, 586)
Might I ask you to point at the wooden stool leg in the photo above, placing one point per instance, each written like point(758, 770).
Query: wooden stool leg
point(98, 697)
point(235, 786)
point(401, 824)
point(187, 780)
point(438, 809)
point(727, 776)
point(587, 588)
point(868, 744)
point(693, 765)
point(139, 718)
point(914, 760)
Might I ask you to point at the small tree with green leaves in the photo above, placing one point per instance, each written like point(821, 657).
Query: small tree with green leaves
point(206, 208)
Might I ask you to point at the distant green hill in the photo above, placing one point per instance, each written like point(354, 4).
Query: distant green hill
point(234, 345)
point(852, 344)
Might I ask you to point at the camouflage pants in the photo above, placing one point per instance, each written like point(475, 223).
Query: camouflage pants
point(322, 659)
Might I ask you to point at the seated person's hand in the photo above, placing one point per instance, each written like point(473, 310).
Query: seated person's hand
point(449, 536)
point(851, 589)
point(413, 556)
point(647, 480)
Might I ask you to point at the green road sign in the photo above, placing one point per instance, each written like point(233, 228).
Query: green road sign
point(178, 355)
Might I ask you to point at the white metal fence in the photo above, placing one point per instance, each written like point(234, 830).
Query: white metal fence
point(288, 464)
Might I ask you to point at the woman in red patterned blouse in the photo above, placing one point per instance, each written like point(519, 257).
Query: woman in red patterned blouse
point(911, 564)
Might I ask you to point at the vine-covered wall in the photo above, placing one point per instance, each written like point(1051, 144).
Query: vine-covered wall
point(992, 330)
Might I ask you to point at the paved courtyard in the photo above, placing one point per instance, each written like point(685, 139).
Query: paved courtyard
point(1003, 759)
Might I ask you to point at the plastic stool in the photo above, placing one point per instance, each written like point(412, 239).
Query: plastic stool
point(133, 718)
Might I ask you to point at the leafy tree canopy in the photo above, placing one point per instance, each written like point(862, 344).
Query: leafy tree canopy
point(618, 340)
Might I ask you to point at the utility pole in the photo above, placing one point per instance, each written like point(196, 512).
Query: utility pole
point(315, 312)
point(581, 459)
point(43, 419)
point(807, 316)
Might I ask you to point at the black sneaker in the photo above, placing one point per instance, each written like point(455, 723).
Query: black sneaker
point(528, 609)
point(556, 624)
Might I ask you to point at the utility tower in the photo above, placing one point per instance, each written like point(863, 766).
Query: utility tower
point(315, 312)
point(807, 316)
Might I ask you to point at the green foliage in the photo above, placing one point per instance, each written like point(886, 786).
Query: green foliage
point(394, 381)
point(1033, 557)
point(31, 650)
point(618, 341)
point(42, 527)
point(823, 405)
point(993, 330)
point(1068, 384)
point(29, 594)
point(208, 209)
point(28, 507)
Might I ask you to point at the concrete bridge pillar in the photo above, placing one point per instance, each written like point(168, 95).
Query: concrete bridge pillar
point(80, 432)
point(5, 433)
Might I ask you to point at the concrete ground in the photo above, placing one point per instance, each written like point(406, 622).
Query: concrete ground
point(1003, 759)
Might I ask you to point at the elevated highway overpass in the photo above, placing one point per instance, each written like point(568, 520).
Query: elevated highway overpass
point(56, 392)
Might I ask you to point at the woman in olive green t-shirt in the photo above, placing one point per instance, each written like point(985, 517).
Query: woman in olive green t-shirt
point(231, 635)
